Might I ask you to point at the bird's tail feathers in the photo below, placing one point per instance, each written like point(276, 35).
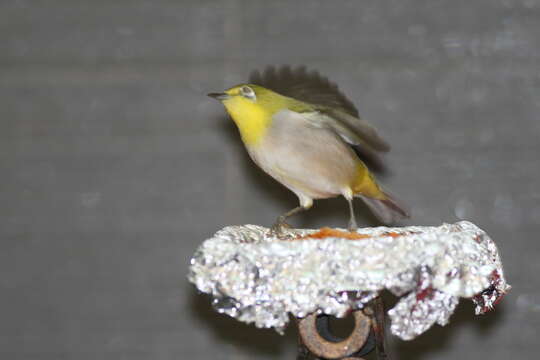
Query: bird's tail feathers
point(388, 210)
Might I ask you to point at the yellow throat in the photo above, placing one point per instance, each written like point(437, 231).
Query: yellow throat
point(253, 111)
point(251, 118)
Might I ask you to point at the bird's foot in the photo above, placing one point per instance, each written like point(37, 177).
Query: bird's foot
point(352, 227)
point(280, 228)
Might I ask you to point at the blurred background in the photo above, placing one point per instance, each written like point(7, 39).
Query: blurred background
point(115, 165)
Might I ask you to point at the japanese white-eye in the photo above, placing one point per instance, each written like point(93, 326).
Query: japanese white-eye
point(301, 130)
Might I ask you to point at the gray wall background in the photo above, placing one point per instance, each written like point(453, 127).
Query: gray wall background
point(115, 166)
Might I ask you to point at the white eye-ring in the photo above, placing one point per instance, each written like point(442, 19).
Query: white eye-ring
point(248, 92)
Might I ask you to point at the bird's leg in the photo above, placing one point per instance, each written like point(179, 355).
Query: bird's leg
point(280, 223)
point(352, 220)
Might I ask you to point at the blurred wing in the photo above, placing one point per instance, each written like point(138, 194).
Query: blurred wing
point(339, 112)
point(367, 134)
point(305, 86)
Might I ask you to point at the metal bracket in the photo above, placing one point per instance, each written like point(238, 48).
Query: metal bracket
point(316, 340)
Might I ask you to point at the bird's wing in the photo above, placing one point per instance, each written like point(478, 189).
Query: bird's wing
point(365, 133)
point(310, 87)
point(303, 85)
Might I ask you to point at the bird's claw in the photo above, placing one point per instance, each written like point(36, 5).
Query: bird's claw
point(280, 228)
point(352, 227)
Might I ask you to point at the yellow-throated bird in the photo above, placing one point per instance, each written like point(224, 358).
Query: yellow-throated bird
point(300, 129)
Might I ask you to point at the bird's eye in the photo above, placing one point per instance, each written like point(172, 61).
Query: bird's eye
point(247, 92)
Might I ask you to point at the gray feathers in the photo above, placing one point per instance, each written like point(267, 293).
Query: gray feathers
point(303, 85)
point(334, 110)
point(388, 211)
point(366, 132)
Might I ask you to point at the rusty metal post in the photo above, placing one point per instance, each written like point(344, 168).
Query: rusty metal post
point(378, 327)
point(316, 341)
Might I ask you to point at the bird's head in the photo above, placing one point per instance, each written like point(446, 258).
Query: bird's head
point(252, 106)
point(249, 98)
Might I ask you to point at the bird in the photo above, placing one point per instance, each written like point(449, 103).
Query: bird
point(300, 129)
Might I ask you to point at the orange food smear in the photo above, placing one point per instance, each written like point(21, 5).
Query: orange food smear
point(327, 232)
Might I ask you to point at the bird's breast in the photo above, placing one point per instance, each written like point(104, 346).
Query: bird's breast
point(310, 160)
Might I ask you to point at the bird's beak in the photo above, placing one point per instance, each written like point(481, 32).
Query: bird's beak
point(219, 96)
